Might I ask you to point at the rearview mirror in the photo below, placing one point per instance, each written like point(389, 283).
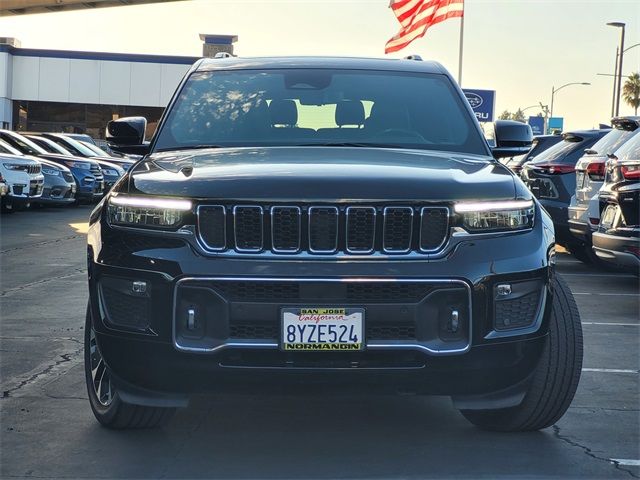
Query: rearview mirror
point(511, 138)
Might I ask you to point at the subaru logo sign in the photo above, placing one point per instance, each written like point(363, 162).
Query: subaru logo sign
point(482, 103)
point(474, 99)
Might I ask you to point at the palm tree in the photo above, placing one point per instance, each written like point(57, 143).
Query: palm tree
point(631, 91)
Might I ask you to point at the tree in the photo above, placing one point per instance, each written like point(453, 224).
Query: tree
point(518, 116)
point(631, 91)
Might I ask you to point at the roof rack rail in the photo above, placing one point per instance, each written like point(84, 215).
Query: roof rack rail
point(222, 55)
point(417, 58)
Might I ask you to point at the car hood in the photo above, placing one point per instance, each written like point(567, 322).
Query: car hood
point(57, 158)
point(20, 159)
point(322, 173)
point(50, 164)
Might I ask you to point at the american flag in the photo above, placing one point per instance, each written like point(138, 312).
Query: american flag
point(416, 16)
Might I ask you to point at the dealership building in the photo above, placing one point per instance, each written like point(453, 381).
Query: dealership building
point(74, 91)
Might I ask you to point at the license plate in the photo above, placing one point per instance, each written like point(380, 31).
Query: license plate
point(322, 328)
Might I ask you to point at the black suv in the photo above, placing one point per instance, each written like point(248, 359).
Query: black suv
point(322, 224)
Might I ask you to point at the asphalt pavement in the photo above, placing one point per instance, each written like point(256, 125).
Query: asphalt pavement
point(47, 429)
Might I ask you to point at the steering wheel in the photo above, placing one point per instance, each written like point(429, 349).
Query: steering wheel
point(403, 132)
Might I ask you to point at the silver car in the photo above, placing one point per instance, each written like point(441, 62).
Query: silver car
point(584, 209)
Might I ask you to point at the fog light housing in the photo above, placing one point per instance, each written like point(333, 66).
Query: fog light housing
point(126, 303)
point(517, 306)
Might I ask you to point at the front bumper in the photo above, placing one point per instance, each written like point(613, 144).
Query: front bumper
point(581, 231)
point(88, 186)
point(410, 347)
point(58, 193)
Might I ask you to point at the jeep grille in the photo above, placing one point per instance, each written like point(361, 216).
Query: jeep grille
point(323, 229)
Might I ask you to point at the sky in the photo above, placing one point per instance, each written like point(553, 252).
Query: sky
point(520, 48)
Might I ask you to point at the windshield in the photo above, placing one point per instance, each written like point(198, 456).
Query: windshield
point(98, 152)
point(612, 141)
point(320, 107)
point(631, 149)
point(23, 144)
point(50, 146)
point(6, 148)
point(74, 146)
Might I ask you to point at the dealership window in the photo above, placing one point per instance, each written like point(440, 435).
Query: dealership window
point(77, 117)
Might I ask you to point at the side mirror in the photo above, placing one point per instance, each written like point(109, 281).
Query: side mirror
point(512, 138)
point(126, 135)
point(126, 131)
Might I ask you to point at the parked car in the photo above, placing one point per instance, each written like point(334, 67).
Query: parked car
point(23, 179)
point(584, 207)
point(48, 145)
point(123, 162)
point(617, 240)
point(80, 149)
point(384, 252)
point(86, 172)
point(70, 144)
point(59, 185)
point(81, 137)
point(540, 144)
point(4, 189)
point(111, 171)
point(551, 177)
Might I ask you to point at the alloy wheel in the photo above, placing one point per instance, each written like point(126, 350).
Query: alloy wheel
point(100, 377)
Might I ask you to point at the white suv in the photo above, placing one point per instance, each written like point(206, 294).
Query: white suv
point(24, 179)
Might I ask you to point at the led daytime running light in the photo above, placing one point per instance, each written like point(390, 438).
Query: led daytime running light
point(492, 206)
point(183, 205)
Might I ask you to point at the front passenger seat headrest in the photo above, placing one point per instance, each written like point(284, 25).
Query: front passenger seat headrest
point(283, 112)
point(349, 112)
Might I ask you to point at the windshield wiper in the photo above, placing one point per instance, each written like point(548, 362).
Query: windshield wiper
point(349, 144)
point(190, 147)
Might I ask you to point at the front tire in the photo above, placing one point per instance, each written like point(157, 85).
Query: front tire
point(105, 402)
point(555, 379)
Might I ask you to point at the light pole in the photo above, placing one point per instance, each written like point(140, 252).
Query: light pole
point(555, 90)
point(620, 58)
point(615, 84)
point(527, 108)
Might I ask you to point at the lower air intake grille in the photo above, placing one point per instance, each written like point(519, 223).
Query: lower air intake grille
point(253, 331)
point(391, 332)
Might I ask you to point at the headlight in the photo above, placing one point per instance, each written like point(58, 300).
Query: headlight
point(147, 211)
point(50, 171)
point(480, 217)
point(75, 164)
point(110, 172)
point(13, 166)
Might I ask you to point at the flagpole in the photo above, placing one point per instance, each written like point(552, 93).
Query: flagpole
point(461, 47)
